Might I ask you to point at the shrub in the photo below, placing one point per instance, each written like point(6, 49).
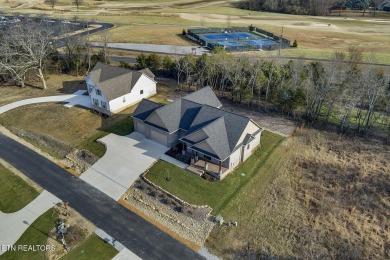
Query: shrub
point(295, 44)
point(184, 32)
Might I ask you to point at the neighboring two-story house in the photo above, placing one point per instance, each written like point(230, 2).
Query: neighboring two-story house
point(113, 89)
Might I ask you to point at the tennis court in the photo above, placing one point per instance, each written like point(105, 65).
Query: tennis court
point(237, 38)
point(227, 36)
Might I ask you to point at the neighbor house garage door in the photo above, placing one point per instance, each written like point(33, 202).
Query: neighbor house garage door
point(158, 137)
point(140, 128)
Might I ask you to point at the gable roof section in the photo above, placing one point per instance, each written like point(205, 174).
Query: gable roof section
point(216, 142)
point(145, 108)
point(114, 81)
point(148, 73)
point(204, 96)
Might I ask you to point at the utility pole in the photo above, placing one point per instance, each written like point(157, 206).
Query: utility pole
point(280, 42)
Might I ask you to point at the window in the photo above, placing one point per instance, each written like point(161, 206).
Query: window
point(96, 102)
point(141, 92)
point(90, 88)
point(98, 92)
point(124, 99)
point(104, 105)
point(248, 146)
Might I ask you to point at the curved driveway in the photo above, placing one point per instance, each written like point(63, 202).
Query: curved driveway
point(71, 100)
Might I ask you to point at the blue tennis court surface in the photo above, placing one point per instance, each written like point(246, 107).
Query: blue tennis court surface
point(227, 36)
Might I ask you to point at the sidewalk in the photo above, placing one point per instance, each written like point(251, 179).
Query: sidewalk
point(13, 225)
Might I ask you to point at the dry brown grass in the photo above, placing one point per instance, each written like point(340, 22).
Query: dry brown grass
point(330, 201)
point(56, 85)
point(147, 34)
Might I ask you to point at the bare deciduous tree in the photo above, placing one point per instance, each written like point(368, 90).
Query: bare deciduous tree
point(24, 47)
point(78, 3)
point(51, 3)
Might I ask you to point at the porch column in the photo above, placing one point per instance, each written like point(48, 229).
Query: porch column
point(220, 167)
point(205, 165)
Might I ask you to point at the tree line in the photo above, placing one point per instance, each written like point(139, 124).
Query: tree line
point(343, 93)
point(305, 7)
point(28, 51)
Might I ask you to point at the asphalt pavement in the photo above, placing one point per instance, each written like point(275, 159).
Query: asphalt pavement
point(138, 235)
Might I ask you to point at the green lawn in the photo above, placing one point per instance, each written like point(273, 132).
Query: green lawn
point(217, 195)
point(15, 193)
point(123, 127)
point(92, 248)
point(36, 234)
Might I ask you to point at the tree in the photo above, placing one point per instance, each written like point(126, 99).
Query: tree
point(78, 3)
point(295, 44)
point(25, 47)
point(51, 3)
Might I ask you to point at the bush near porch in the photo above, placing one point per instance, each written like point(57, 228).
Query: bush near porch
point(196, 190)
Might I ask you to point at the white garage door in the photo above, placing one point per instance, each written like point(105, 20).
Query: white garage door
point(158, 137)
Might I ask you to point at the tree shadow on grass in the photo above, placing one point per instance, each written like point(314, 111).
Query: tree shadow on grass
point(69, 87)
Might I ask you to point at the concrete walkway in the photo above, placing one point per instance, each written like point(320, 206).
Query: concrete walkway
point(76, 98)
point(124, 253)
point(158, 48)
point(13, 225)
point(126, 158)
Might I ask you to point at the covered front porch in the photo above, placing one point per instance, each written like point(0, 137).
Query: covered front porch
point(202, 166)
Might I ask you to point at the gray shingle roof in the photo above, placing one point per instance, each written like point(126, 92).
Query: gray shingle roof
point(145, 108)
point(221, 130)
point(114, 81)
point(204, 96)
point(148, 73)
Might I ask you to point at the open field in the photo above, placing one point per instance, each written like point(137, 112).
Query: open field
point(15, 193)
point(327, 201)
point(317, 36)
point(217, 195)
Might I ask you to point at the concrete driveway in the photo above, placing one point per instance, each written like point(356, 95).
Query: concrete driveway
point(74, 99)
point(125, 159)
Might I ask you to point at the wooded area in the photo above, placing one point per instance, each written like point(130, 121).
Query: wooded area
point(342, 93)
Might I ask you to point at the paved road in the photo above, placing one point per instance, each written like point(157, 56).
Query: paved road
point(155, 48)
point(132, 231)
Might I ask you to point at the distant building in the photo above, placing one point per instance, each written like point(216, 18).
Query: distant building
point(384, 5)
point(113, 89)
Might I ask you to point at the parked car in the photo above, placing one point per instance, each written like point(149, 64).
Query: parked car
point(47, 21)
point(65, 21)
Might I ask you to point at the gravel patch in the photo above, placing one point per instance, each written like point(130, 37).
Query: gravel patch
point(189, 223)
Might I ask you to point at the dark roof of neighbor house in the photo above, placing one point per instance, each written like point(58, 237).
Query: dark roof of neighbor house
point(114, 81)
point(148, 73)
point(208, 128)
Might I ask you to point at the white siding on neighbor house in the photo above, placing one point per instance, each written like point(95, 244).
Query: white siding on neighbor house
point(100, 98)
point(145, 84)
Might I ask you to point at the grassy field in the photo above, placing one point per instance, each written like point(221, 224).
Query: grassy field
point(327, 198)
point(36, 234)
point(92, 248)
point(217, 195)
point(56, 85)
point(15, 193)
